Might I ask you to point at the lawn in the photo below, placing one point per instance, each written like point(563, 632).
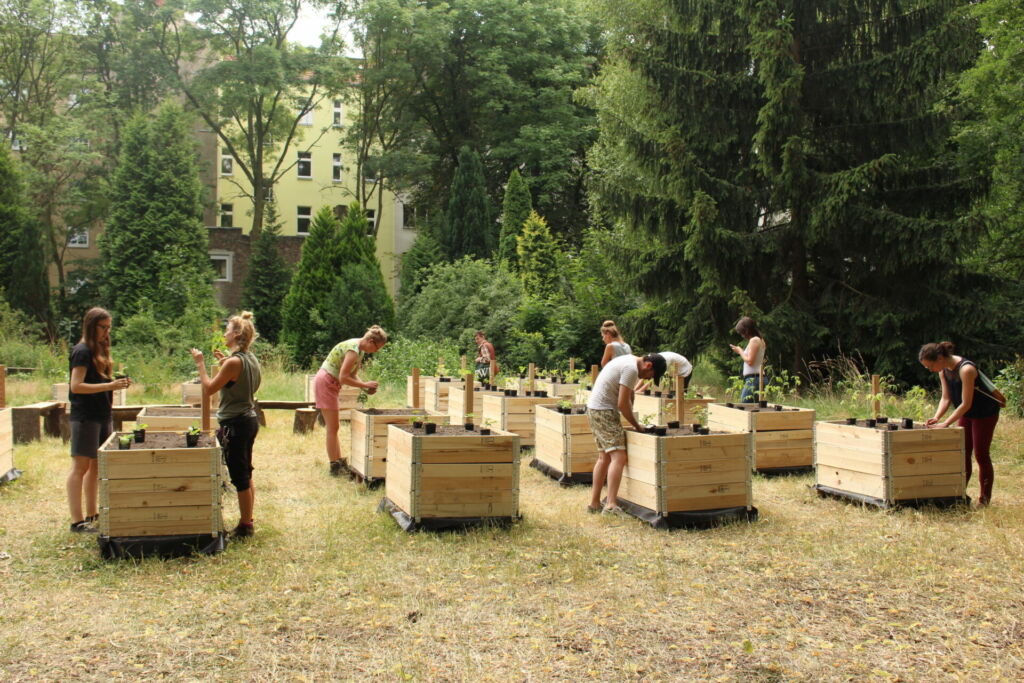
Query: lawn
point(329, 589)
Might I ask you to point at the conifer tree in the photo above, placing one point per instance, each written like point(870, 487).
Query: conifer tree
point(269, 277)
point(425, 251)
point(789, 157)
point(516, 208)
point(305, 307)
point(538, 255)
point(155, 247)
point(23, 266)
point(360, 296)
point(468, 229)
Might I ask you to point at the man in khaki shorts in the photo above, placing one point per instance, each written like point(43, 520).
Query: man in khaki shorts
point(611, 397)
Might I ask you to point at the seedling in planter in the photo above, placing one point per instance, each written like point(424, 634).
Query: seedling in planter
point(648, 421)
point(362, 398)
point(416, 421)
point(140, 432)
point(469, 422)
point(429, 426)
point(565, 407)
point(124, 442)
point(192, 436)
point(485, 427)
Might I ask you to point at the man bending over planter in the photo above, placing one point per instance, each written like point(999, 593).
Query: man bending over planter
point(611, 397)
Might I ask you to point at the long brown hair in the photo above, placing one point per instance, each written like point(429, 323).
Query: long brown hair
point(747, 328)
point(100, 350)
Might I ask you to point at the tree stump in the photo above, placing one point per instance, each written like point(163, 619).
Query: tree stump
point(305, 420)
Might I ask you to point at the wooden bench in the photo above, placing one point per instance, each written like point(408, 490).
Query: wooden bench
point(25, 420)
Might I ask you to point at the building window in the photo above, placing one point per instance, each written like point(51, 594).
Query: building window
point(305, 164)
point(221, 262)
point(227, 218)
point(408, 217)
point(303, 216)
point(336, 168)
point(371, 218)
point(338, 114)
point(306, 118)
point(227, 162)
point(78, 237)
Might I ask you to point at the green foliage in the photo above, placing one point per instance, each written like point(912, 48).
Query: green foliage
point(516, 208)
point(23, 267)
point(267, 281)
point(154, 247)
point(468, 229)
point(1010, 381)
point(395, 361)
point(538, 257)
point(360, 298)
point(424, 252)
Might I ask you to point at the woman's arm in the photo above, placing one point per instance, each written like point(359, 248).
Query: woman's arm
point(229, 371)
point(607, 355)
point(943, 402)
point(347, 374)
point(968, 375)
point(749, 354)
point(79, 386)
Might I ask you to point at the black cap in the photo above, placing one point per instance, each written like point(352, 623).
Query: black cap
point(658, 361)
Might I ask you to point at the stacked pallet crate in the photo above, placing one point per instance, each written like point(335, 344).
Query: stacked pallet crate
point(783, 435)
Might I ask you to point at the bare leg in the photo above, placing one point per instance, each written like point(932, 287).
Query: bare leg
point(618, 459)
point(331, 434)
point(90, 486)
point(246, 502)
point(600, 470)
point(79, 470)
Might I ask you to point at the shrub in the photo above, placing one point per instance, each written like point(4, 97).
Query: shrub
point(400, 355)
point(1010, 381)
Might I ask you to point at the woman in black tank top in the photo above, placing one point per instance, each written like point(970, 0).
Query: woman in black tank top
point(975, 409)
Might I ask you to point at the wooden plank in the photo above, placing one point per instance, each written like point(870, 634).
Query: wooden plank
point(723, 418)
point(925, 440)
point(161, 527)
point(705, 497)
point(849, 437)
point(162, 514)
point(800, 457)
point(638, 492)
point(927, 486)
point(468, 510)
point(6, 441)
point(854, 460)
point(449, 471)
point(430, 497)
point(767, 419)
point(851, 481)
point(936, 462)
point(159, 499)
point(160, 485)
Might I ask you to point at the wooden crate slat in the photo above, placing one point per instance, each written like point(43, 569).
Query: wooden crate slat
point(6, 441)
point(429, 497)
point(927, 486)
point(159, 527)
point(935, 462)
point(158, 499)
point(639, 492)
point(925, 440)
point(468, 510)
point(781, 458)
point(852, 481)
point(705, 497)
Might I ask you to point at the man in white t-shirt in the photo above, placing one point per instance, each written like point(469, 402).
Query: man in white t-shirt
point(612, 397)
point(677, 366)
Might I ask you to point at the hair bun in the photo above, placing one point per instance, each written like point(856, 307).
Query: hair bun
point(245, 315)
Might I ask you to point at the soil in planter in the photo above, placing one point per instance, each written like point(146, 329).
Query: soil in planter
point(687, 430)
point(442, 430)
point(158, 440)
point(391, 411)
point(173, 412)
point(754, 408)
point(885, 426)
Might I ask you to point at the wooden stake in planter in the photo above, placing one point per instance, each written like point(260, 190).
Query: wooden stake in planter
point(462, 360)
point(760, 383)
point(416, 388)
point(530, 374)
point(876, 389)
point(3, 386)
point(595, 370)
point(208, 399)
point(680, 399)
point(467, 405)
point(572, 365)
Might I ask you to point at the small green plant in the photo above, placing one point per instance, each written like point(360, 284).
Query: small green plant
point(488, 423)
point(916, 404)
point(700, 414)
point(567, 405)
point(194, 430)
point(648, 419)
point(470, 417)
point(1010, 381)
point(511, 382)
point(125, 439)
point(141, 426)
point(362, 398)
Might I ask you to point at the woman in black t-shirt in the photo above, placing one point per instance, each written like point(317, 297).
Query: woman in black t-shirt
point(91, 396)
point(975, 409)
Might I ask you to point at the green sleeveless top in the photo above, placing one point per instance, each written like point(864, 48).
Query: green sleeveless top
point(238, 398)
point(337, 355)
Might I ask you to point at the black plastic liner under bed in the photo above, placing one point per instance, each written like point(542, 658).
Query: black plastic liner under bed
point(139, 547)
point(10, 475)
point(561, 477)
point(371, 482)
point(409, 524)
point(697, 519)
point(944, 502)
point(785, 471)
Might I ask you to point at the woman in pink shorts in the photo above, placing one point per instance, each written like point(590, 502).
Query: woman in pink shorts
point(341, 367)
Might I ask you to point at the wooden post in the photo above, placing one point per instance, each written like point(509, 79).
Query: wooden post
point(3, 386)
point(595, 370)
point(493, 370)
point(462, 360)
point(572, 365)
point(467, 405)
point(208, 399)
point(760, 383)
point(680, 398)
point(416, 389)
point(530, 374)
point(876, 389)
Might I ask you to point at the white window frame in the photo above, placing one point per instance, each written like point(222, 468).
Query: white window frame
point(339, 114)
point(228, 258)
point(308, 158)
point(226, 158)
point(306, 118)
point(75, 236)
point(371, 218)
point(222, 213)
point(337, 171)
point(299, 215)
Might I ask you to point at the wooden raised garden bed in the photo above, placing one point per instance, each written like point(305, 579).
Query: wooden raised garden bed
point(516, 414)
point(160, 488)
point(7, 471)
point(451, 479)
point(435, 392)
point(169, 418)
point(347, 397)
point(368, 458)
point(664, 407)
point(686, 479)
point(457, 401)
point(783, 436)
point(556, 388)
point(890, 468)
point(60, 392)
point(422, 392)
point(564, 445)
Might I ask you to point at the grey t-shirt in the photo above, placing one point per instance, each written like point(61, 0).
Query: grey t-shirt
point(676, 363)
point(620, 371)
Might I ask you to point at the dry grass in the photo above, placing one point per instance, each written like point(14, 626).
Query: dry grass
point(817, 590)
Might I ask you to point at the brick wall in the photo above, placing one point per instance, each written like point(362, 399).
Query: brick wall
point(233, 242)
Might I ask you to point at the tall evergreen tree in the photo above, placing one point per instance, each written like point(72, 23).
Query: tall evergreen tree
point(468, 229)
point(360, 296)
point(789, 157)
point(155, 246)
point(305, 306)
point(425, 251)
point(516, 208)
point(23, 268)
point(538, 256)
point(266, 284)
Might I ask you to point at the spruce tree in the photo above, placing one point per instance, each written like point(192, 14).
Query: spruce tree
point(425, 251)
point(538, 256)
point(361, 297)
point(468, 229)
point(266, 284)
point(155, 247)
point(789, 157)
point(516, 208)
point(309, 297)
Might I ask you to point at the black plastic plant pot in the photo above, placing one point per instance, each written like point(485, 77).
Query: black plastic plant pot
point(892, 426)
point(704, 431)
point(657, 394)
point(730, 405)
point(581, 410)
point(522, 376)
point(418, 424)
point(140, 435)
point(869, 422)
point(649, 429)
point(778, 406)
point(564, 411)
point(673, 424)
point(700, 395)
point(191, 440)
point(124, 445)
point(444, 379)
point(762, 404)
point(513, 392)
point(660, 431)
point(696, 427)
point(882, 420)
point(671, 394)
point(542, 394)
point(527, 393)
point(851, 421)
point(484, 431)
point(429, 428)
point(647, 392)
point(908, 423)
point(468, 426)
point(506, 392)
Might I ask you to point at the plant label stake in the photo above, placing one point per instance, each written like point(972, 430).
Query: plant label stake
point(416, 389)
point(876, 389)
point(680, 398)
point(467, 405)
point(493, 370)
point(530, 374)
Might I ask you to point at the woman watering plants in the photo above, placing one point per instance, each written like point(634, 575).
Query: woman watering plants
point(613, 344)
point(976, 404)
point(91, 394)
point(753, 358)
point(238, 380)
point(342, 367)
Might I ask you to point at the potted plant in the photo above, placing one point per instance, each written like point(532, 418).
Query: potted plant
point(140, 432)
point(469, 422)
point(429, 426)
point(485, 428)
point(565, 407)
point(124, 442)
point(416, 421)
point(192, 436)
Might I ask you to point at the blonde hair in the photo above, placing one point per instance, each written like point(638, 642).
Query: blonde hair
point(242, 323)
point(609, 327)
point(377, 335)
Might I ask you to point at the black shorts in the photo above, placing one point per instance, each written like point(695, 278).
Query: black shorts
point(87, 436)
point(236, 437)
